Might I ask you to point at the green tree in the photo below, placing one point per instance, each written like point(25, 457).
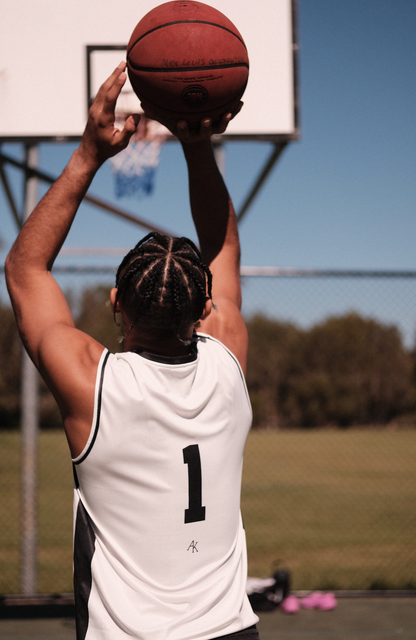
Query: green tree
point(274, 348)
point(354, 370)
point(346, 370)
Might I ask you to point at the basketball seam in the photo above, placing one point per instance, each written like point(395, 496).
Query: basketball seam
point(169, 24)
point(234, 65)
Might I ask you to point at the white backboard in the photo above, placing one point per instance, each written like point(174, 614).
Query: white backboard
point(46, 47)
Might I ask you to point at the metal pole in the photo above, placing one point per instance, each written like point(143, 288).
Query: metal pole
point(9, 194)
point(273, 158)
point(29, 430)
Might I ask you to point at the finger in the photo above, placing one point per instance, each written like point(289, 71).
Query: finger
point(113, 93)
point(132, 123)
point(122, 138)
point(237, 109)
point(121, 67)
point(110, 89)
point(206, 125)
point(227, 117)
point(222, 124)
point(182, 127)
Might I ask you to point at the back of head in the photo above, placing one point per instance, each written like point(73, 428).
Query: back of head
point(163, 285)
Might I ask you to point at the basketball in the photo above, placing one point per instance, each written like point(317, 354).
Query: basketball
point(187, 61)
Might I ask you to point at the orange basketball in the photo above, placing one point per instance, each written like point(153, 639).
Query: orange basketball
point(187, 61)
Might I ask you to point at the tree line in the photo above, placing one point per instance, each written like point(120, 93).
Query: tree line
point(343, 371)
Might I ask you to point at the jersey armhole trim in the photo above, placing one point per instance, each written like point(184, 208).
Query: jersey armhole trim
point(232, 356)
point(97, 421)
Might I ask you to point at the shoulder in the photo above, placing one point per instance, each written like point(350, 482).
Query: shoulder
point(67, 354)
point(226, 324)
point(224, 367)
point(211, 347)
point(69, 361)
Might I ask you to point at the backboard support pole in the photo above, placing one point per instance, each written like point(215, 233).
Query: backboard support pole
point(268, 166)
point(29, 428)
point(9, 195)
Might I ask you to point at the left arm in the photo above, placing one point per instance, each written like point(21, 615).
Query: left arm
point(37, 299)
point(66, 357)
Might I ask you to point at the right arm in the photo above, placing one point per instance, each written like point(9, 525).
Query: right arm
point(216, 225)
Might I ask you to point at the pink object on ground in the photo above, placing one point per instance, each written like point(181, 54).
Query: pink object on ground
point(311, 601)
point(290, 604)
point(327, 602)
point(319, 600)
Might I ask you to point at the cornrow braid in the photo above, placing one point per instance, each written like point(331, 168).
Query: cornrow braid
point(162, 283)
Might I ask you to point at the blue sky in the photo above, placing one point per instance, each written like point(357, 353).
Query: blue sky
point(344, 196)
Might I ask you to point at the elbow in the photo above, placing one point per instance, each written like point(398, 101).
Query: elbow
point(8, 268)
point(11, 273)
point(9, 277)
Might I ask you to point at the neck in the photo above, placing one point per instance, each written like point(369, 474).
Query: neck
point(160, 345)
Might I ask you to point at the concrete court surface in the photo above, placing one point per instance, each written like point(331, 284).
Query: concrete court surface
point(353, 619)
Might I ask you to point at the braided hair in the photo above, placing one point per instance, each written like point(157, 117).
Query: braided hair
point(163, 284)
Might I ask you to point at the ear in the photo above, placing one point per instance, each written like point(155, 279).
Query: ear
point(207, 309)
point(114, 308)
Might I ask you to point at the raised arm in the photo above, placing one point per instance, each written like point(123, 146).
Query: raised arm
point(216, 226)
point(66, 358)
point(215, 220)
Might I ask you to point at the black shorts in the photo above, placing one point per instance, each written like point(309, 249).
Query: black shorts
point(245, 634)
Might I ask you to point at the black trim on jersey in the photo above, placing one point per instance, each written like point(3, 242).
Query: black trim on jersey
point(232, 356)
point(97, 422)
point(76, 481)
point(157, 357)
point(84, 548)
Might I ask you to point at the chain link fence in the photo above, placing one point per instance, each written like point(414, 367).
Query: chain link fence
point(333, 505)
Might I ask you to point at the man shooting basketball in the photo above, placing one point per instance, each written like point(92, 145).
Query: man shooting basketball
point(157, 432)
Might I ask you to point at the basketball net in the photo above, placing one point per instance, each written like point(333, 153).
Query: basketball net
point(134, 168)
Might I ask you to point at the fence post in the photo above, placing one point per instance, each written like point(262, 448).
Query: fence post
point(29, 430)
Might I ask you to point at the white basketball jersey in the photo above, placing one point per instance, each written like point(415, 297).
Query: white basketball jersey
point(160, 551)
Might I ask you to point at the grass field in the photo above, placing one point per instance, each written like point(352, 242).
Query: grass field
point(337, 508)
point(54, 513)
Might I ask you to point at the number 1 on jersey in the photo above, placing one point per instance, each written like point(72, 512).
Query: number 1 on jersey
point(196, 511)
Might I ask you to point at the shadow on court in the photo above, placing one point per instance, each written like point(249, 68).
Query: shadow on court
point(353, 618)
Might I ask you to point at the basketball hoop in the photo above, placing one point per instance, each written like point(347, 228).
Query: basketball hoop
point(134, 168)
